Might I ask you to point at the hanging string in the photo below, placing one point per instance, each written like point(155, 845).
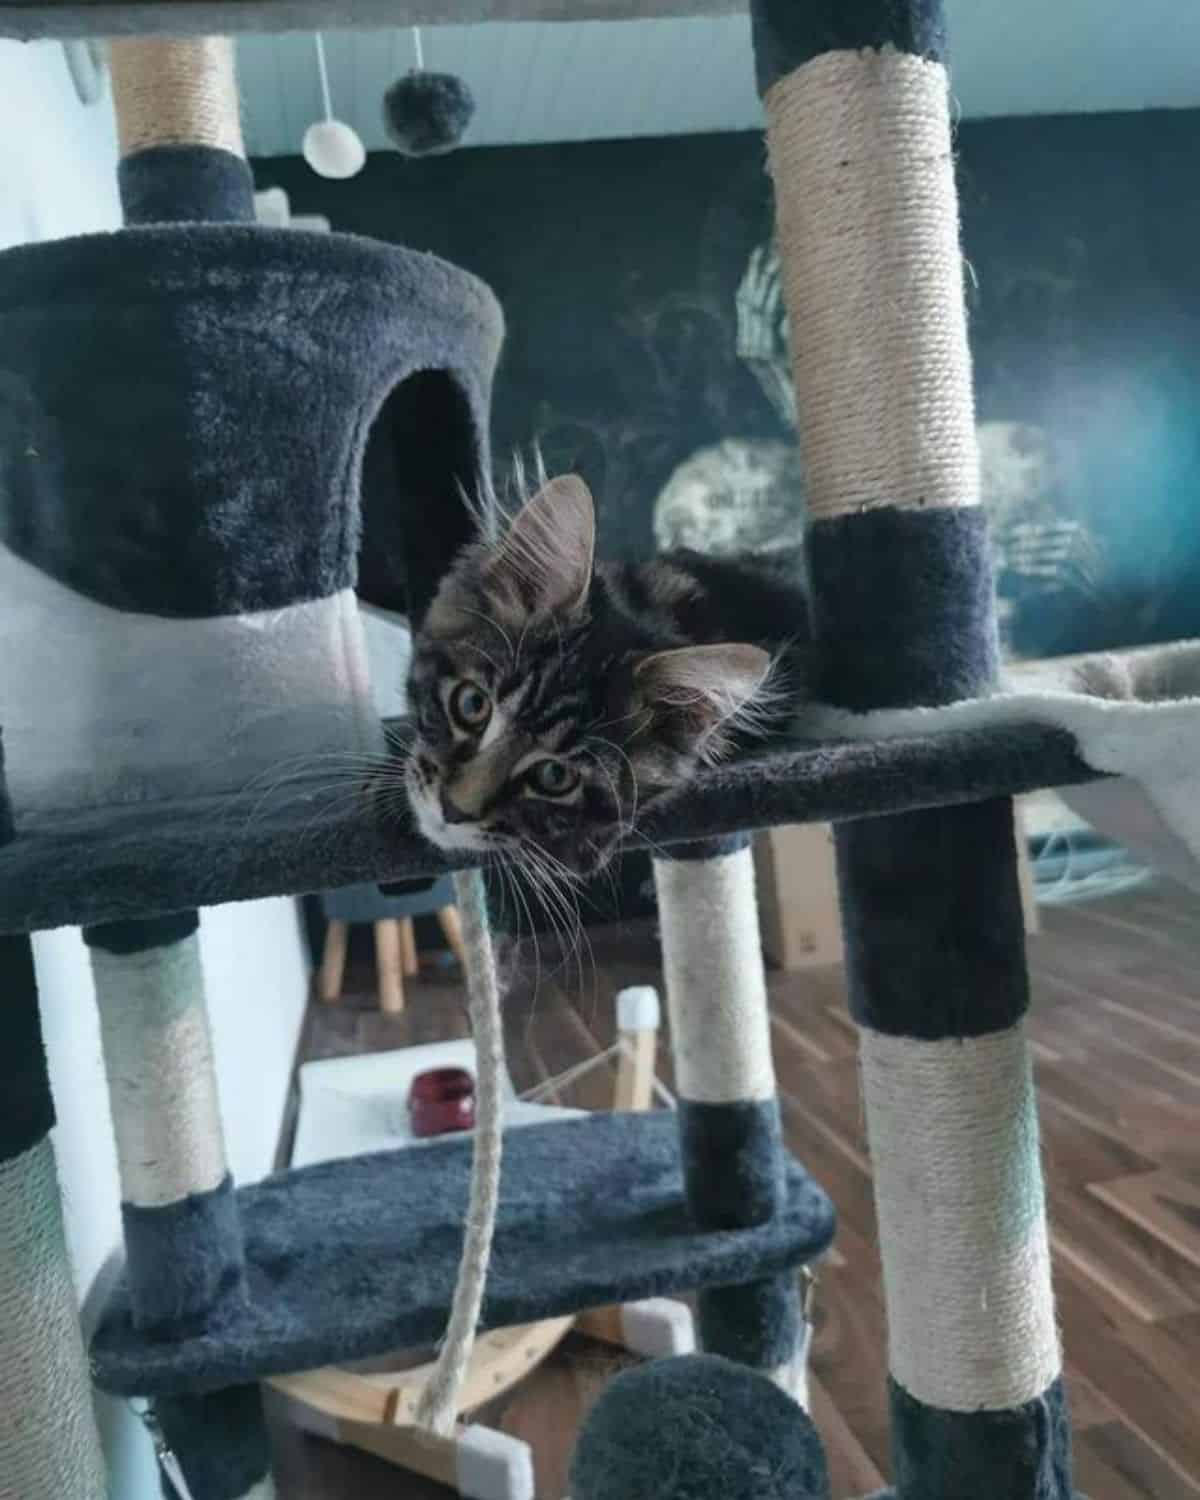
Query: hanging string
point(418, 49)
point(324, 72)
point(437, 1408)
point(562, 1080)
point(559, 1081)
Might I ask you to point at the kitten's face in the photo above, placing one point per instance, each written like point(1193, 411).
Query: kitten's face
point(538, 730)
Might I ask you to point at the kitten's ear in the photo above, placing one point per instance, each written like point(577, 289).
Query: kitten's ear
point(550, 546)
point(693, 693)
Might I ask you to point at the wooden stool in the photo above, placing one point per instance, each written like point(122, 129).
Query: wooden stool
point(391, 914)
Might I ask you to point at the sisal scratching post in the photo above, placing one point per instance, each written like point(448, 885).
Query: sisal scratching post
point(860, 152)
point(49, 1446)
point(179, 131)
point(183, 1239)
point(730, 1137)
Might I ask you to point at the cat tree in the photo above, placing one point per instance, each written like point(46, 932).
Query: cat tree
point(183, 515)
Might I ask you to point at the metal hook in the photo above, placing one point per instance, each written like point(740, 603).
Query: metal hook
point(167, 1460)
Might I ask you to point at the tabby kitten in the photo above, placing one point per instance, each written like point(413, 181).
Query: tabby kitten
point(555, 696)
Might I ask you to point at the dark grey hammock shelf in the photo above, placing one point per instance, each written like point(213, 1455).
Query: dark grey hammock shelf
point(142, 860)
point(355, 1258)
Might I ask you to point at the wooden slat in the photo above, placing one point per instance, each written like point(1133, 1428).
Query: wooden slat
point(335, 1393)
point(1089, 1407)
point(851, 1469)
point(1097, 1246)
point(1164, 1204)
point(1113, 1462)
point(1151, 1377)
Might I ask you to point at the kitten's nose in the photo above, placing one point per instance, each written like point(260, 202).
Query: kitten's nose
point(452, 812)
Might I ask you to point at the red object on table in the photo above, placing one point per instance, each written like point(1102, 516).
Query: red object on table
point(440, 1101)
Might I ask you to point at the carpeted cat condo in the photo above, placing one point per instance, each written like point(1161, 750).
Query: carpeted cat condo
point(204, 427)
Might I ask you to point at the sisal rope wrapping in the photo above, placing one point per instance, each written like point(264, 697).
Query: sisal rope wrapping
point(867, 217)
point(962, 1222)
point(175, 92)
point(716, 984)
point(49, 1446)
point(161, 1079)
point(438, 1407)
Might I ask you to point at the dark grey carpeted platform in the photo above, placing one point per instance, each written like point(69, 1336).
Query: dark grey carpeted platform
point(353, 1258)
point(141, 860)
point(34, 18)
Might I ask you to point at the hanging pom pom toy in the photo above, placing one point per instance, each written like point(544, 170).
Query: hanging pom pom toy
point(425, 114)
point(331, 147)
point(696, 1427)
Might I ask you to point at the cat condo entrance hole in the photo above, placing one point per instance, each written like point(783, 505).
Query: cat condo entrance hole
point(420, 466)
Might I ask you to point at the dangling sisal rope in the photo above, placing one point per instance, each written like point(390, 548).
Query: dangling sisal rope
point(438, 1406)
point(175, 92)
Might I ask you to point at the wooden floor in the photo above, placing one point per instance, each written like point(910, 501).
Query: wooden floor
point(1116, 1029)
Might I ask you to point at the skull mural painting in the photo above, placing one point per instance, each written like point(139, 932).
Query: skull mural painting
point(747, 495)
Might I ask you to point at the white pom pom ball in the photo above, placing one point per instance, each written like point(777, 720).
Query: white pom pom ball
point(333, 149)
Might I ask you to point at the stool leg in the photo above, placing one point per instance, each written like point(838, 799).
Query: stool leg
point(451, 925)
point(333, 962)
point(389, 965)
point(408, 947)
point(635, 1070)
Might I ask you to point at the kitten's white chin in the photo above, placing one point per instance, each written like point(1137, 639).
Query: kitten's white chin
point(428, 813)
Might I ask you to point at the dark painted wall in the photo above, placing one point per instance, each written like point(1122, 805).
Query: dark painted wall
point(618, 266)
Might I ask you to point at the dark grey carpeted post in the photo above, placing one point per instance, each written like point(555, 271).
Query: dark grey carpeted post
point(49, 1446)
point(730, 1136)
point(182, 158)
point(860, 151)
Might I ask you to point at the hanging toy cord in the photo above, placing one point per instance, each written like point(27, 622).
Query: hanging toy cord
point(323, 71)
point(418, 49)
point(438, 1406)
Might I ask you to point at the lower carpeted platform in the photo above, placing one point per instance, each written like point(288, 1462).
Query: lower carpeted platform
point(354, 1258)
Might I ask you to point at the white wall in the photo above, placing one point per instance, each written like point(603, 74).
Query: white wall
point(57, 165)
point(56, 158)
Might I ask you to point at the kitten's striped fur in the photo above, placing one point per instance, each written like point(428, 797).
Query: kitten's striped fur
point(555, 696)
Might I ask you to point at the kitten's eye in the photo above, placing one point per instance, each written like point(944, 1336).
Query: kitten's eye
point(469, 706)
point(552, 778)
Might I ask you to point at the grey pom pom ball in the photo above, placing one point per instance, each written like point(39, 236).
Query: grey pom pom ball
point(697, 1428)
point(427, 113)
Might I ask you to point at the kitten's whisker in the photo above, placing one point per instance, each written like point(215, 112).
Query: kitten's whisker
point(487, 656)
point(633, 778)
point(521, 904)
point(349, 790)
point(564, 901)
point(496, 626)
point(531, 870)
point(622, 829)
point(272, 779)
point(521, 644)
